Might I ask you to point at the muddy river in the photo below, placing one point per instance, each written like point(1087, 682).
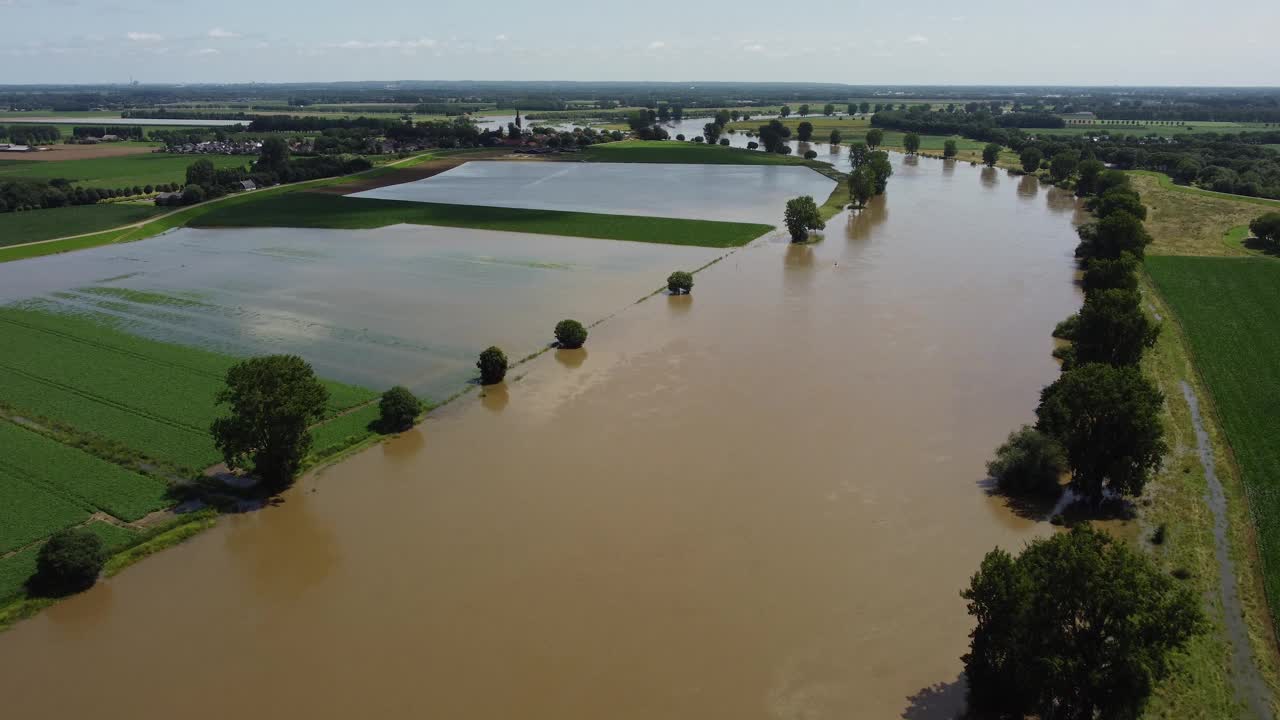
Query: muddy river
point(759, 501)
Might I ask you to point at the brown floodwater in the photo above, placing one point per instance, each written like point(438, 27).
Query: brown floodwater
point(758, 501)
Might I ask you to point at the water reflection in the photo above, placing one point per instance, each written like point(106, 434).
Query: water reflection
point(949, 167)
point(989, 176)
point(1060, 201)
point(680, 304)
point(571, 358)
point(495, 397)
point(406, 446)
point(863, 222)
point(911, 160)
point(1028, 186)
point(275, 571)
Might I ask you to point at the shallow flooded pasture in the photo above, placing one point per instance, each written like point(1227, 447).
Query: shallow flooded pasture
point(407, 304)
point(734, 193)
point(757, 501)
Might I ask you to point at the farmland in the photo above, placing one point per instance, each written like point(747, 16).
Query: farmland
point(35, 225)
point(1227, 307)
point(315, 210)
point(113, 172)
point(672, 151)
point(85, 375)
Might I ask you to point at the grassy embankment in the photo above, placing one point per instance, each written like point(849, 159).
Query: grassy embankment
point(1187, 222)
point(115, 172)
point(35, 225)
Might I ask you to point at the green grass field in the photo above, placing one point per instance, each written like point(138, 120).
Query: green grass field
point(16, 569)
point(1140, 128)
point(86, 375)
point(1228, 308)
point(34, 225)
point(114, 172)
point(315, 210)
point(674, 151)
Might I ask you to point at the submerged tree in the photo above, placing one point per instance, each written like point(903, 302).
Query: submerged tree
point(858, 152)
point(1107, 419)
point(711, 132)
point(801, 216)
point(804, 131)
point(680, 282)
point(1076, 627)
point(493, 365)
point(570, 334)
point(1028, 463)
point(861, 186)
point(273, 399)
point(911, 143)
point(881, 169)
point(773, 136)
point(398, 409)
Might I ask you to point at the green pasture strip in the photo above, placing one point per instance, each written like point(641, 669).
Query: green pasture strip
point(314, 210)
point(1230, 311)
point(35, 225)
point(29, 511)
point(121, 171)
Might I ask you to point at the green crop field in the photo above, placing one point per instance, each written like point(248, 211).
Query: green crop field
point(154, 397)
point(29, 512)
point(115, 172)
point(674, 151)
point(16, 569)
point(78, 476)
point(1230, 311)
point(34, 225)
point(315, 210)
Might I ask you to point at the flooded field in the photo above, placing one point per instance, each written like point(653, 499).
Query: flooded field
point(758, 501)
point(738, 193)
point(409, 305)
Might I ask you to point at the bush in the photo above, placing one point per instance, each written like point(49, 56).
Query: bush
point(1267, 229)
point(724, 142)
point(753, 145)
point(1028, 463)
point(810, 154)
point(69, 562)
point(680, 282)
point(493, 366)
point(192, 194)
point(399, 409)
point(680, 137)
point(570, 334)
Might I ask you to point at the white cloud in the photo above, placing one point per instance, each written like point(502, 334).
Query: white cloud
point(387, 44)
point(144, 36)
point(657, 45)
point(206, 51)
point(222, 34)
point(917, 39)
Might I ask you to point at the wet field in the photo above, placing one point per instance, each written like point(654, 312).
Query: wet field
point(734, 193)
point(757, 501)
point(406, 304)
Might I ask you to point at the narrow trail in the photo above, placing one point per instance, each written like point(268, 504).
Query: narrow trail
point(1249, 686)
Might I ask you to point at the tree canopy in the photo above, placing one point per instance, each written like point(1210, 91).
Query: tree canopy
point(804, 131)
point(398, 409)
point(69, 562)
point(492, 365)
point(801, 216)
point(1076, 627)
point(1107, 419)
point(991, 154)
point(273, 400)
point(1112, 328)
point(911, 143)
point(1267, 229)
point(570, 334)
point(680, 282)
point(875, 136)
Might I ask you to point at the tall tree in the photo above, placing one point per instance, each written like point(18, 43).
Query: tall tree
point(273, 400)
point(834, 138)
point(274, 156)
point(804, 131)
point(991, 154)
point(1076, 627)
point(785, 111)
point(1117, 233)
point(861, 186)
point(875, 136)
point(828, 109)
point(801, 216)
point(773, 136)
point(1064, 165)
point(911, 143)
point(1108, 420)
point(881, 169)
point(858, 152)
point(711, 132)
point(804, 110)
point(1112, 328)
point(1031, 157)
point(949, 149)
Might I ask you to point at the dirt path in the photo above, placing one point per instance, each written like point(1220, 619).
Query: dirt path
point(1248, 684)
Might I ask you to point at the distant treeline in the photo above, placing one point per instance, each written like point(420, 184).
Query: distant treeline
point(32, 134)
point(980, 125)
point(167, 114)
point(310, 123)
point(18, 195)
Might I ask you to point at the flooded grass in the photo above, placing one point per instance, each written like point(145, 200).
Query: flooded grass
point(315, 210)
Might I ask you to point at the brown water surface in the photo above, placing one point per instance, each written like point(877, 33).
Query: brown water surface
point(760, 501)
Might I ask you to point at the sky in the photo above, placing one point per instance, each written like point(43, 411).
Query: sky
point(1084, 42)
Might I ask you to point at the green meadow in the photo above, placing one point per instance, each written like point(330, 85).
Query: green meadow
point(35, 225)
point(115, 172)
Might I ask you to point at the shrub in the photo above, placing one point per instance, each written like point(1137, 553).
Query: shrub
point(680, 282)
point(753, 145)
point(724, 142)
point(1028, 463)
point(570, 334)
point(810, 154)
point(493, 366)
point(192, 194)
point(69, 562)
point(680, 137)
point(399, 409)
point(1267, 229)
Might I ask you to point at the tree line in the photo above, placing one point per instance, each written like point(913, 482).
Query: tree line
point(1080, 626)
point(126, 132)
point(33, 134)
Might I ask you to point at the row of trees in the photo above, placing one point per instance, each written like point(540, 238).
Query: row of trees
point(1079, 625)
point(31, 134)
point(127, 132)
point(870, 168)
point(21, 195)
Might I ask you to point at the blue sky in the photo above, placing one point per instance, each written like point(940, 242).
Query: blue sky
point(1119, 42)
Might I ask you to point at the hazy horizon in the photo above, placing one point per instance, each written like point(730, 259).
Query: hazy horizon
point(1089, 43)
